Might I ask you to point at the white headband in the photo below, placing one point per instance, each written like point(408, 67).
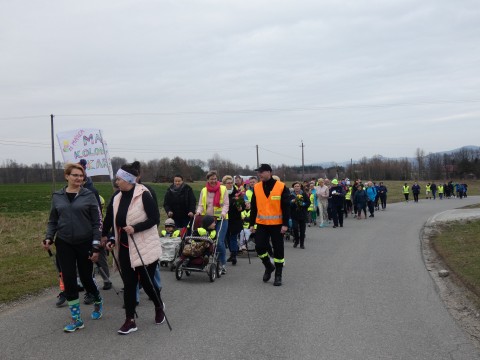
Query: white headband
point(122, 174)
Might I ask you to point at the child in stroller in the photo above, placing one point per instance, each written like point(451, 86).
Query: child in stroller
point(197, 252)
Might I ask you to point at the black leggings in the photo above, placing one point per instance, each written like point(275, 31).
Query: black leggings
point(70, 257)
point(130, 280)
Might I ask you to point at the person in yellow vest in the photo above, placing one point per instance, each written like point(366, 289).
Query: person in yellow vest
point(441, 191)
point(270, 211)
point(428, 191)
point(406, 191)
point(170, 230)
point(214, 201)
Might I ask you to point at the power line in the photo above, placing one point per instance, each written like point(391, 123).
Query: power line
point(259, 110)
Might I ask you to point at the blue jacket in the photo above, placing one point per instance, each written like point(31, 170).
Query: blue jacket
point(371, 193)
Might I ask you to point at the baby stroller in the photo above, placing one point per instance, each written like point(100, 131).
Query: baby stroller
point(198, 254)
point(170, 249)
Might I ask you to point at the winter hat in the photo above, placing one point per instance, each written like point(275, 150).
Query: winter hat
point(335, 182)
point(207, 221)
point(170, 222)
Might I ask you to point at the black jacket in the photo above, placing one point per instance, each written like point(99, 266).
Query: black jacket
point(77, 221)
point(180, 202)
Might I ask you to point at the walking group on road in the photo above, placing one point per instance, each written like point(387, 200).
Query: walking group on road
point(235, 211)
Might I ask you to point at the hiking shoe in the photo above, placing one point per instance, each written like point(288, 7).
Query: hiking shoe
point(107, 285)
point(159, 315)
point(88, 299)
point(223, 270)
point(128, 327)
point(77, 323)
point(234, 261)
point(97, 310)
point(61, 300)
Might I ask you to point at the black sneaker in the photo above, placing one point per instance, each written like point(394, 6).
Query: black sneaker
point(61, 300)
point(88, 299)
point(128, 327)
point(107, 285)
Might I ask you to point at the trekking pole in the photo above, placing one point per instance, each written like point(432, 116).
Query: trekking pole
point(246, 245)
point(150, 280)
point(120, 272)
point(104, 275)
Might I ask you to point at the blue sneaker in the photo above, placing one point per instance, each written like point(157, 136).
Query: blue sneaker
point(97, 310)
point(77, 323)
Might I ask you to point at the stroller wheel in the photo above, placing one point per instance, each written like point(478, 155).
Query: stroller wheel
point(212, 272)
point(179, 273)
point(188, 273)
point(218, 269)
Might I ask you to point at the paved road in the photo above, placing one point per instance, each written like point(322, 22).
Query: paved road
point(358, 292)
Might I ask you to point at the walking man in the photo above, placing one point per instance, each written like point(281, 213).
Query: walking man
point(270, 211)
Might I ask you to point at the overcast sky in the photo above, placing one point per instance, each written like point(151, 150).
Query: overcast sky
point(194, 78)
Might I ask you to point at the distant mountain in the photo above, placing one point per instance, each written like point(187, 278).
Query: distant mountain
point(412, 159)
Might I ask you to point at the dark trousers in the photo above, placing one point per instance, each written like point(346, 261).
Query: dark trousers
point(266, 234)
point(299, 227)
point(383, 200)
point(360, 209)
point(371, 206)
point(70, 257)
point(337, 215)
point(130, 280)
point(406, 196)
point(415, 197)
point(102, 261)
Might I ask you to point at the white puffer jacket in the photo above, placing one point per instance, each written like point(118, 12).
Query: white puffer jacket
point(148, 241)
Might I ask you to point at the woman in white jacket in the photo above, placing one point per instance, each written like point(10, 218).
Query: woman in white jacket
point(133, 213)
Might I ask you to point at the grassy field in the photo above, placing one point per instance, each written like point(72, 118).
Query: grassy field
point(458, 244)
point(25, 266)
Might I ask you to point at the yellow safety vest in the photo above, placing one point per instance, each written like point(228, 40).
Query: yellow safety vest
point(406, 189)
point(217, 211)
point(348, 195)
point(440, 189)
point(176, 233)
point(312, 203)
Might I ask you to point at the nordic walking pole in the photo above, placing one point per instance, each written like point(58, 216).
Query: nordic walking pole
point(246, 245)
point(150, 280)
point(120, 272)
point(106, 277)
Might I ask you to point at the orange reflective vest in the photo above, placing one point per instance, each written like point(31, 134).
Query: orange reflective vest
point(269, 210)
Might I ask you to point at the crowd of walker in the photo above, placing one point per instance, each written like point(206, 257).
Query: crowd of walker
point(233, 212)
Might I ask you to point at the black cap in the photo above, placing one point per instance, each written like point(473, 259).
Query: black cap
point(264, 167)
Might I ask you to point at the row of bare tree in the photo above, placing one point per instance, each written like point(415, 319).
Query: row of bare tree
point(462, 164)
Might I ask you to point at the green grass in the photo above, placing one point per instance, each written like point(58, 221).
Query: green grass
point(458, 244)
point(25, 266)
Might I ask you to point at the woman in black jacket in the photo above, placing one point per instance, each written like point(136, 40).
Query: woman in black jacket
point(74, 226)
point(299, 203)
point(236, 199)
point(179, 202)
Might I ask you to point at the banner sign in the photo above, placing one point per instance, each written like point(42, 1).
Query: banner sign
point(88, 144)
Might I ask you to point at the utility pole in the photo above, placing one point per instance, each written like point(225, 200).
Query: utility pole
point(53, 154)
point(303, 162)
point(258, 162)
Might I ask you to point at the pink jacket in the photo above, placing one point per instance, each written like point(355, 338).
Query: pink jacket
point(148, 241)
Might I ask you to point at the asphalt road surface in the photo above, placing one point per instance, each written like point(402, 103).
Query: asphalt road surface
point(357, 292)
